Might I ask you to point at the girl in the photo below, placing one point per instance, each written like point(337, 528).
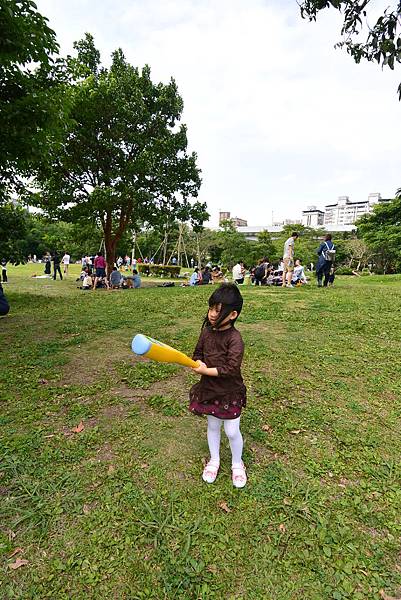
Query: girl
point(221, 392)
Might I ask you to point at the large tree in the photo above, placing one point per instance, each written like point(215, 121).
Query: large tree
point(381, 230)
point(30, 102)
point(382, 43)
point(123, 159)
point(13, 230)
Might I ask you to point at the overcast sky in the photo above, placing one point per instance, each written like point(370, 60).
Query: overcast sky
point(280, 119)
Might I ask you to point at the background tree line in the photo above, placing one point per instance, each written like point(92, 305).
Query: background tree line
point(102, 151)
point(375, 245)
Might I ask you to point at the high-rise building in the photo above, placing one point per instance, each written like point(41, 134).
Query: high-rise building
point(345, 212)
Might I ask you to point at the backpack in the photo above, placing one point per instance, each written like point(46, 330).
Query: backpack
point(329, 254)
point(260, 272)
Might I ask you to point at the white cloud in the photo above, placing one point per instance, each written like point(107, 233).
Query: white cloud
point(278, 117)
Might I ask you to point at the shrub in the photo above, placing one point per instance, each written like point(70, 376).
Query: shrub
point(158, 270)
point(344, 271)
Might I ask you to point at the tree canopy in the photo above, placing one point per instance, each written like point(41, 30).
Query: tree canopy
point(30, 102)
point(382, 43)
point(123, 157)
point(381, 230)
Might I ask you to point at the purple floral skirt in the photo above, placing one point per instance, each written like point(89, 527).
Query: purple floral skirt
point(224, 406)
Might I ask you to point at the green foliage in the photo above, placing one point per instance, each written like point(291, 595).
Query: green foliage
point(159, 270)
point(234, 245)
point(381, 231)
point(13, 229)
point(383, 41)
point(264, 247)
point(344, 270)
point(124, 151)
point(31, 101)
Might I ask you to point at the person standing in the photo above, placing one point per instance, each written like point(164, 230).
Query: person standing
point(66, 262)
point(56, 266)
point(239, 272)
point(100, 269)
point(221, 393)
point(4, 270)
point(326, 253)
point(48, 263)
point(288, 260)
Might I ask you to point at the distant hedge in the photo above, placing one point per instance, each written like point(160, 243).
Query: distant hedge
point(344, 271)
point(158, 270)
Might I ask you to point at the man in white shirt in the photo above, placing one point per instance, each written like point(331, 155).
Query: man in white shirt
point(66, 262)
point(238, 272)
point(288, 260)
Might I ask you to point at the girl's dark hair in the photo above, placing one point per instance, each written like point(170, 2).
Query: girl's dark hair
point(229, 296)
point(328, 237)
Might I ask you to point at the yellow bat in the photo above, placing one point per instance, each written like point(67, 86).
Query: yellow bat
point(147, 346)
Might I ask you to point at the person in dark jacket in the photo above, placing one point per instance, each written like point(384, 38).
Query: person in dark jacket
point(326, 254)
point(56, 266)
point(4, 270)
point(4, 305)
point(48, 264)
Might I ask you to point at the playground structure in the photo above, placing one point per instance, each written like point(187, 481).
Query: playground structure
point(161, 253)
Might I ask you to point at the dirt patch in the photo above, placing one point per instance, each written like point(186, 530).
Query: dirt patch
point(105, 453)
point(176, 385)
point(94, 360)
point(262, 455)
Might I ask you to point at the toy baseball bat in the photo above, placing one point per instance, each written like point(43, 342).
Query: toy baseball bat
point(147, 346)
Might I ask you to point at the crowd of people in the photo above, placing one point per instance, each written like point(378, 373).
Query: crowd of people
point(289, 272)
point(94, 275)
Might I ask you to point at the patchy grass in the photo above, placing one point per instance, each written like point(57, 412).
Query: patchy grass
point(118, 510)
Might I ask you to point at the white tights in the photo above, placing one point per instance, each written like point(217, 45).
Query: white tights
point(231, 427)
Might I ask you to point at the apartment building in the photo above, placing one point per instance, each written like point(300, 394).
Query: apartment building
point(345, 212)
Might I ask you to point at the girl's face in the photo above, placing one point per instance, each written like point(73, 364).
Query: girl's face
point(214, 313)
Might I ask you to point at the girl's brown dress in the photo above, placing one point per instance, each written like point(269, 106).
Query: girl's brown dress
point(225, 395)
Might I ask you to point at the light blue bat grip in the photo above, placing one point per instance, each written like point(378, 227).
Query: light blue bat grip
point(140, 344)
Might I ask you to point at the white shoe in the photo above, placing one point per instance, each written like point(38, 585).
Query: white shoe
point(239, 476)
point(210, 472)
point(289, 285)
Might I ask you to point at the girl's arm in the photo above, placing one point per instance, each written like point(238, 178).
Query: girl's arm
point(198, 352)
point(232, 364)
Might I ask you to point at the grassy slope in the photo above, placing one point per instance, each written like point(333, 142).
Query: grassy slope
point(119, 510)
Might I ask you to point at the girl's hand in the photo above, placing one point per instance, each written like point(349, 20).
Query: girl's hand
point(201, 368)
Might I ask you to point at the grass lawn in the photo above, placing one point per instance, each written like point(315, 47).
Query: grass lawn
point(118, 510)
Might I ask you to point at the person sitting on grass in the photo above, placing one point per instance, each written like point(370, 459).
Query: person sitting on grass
point(298, 276)
point(136, 280)
point(206, 276)
point(87, 282)
point(217, 275)
point(194, 280)
point(115, 279)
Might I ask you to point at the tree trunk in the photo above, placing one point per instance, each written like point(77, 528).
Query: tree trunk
point(110, 245)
